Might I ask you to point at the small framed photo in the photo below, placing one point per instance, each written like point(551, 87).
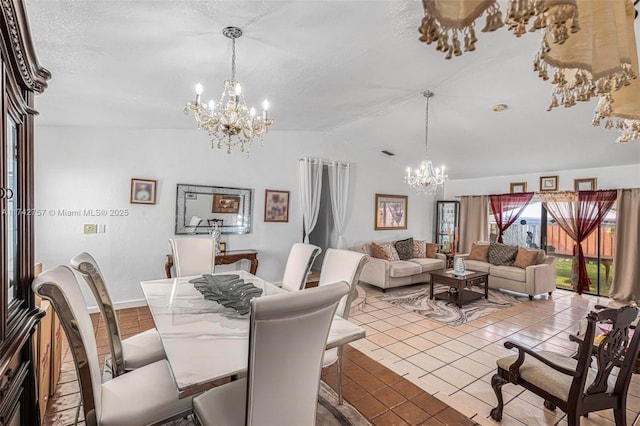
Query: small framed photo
point(548, 183)
point(143, 191)
point(588, 184)
point(222, 246)
point(517, 187)
point(390, 212)
point(276, 206)
point(225, 204)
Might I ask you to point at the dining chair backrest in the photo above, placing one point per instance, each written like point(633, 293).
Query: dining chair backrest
point(343, 265)
point(88, 267)
point(287, 339)
point(193, 256)
point(60, 286)
point(301, 257)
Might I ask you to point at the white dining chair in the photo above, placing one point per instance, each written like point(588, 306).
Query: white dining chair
point(145, 396)
point(341, 265)
point(193, 256)
point(287, 336)
point(128, 354)
point(301, 257)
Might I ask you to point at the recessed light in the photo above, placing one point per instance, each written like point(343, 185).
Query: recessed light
point(499, 107)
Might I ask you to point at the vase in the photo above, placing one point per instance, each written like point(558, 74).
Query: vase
point(458, 265)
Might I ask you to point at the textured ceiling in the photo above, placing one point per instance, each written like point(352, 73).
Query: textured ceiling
point(353, 69)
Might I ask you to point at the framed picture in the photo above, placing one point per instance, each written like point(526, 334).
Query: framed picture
point(390, 212)
point(548, 183)
point(143, 191)
point(276, 206)
point(517, 187)
point(225, 204)
point(588, 184)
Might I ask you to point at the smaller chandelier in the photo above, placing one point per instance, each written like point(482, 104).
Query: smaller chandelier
point(425, 179)
point(230, 122)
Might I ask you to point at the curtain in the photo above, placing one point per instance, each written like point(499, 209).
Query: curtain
point(579, 215)
point(339, 186)
point(626, 268)
point(507, 208)
point(310, 188)
point(474, 221)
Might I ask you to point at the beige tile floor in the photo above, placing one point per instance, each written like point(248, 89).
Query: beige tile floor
point(455, 364)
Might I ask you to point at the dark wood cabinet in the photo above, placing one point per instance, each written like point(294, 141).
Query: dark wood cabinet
point(21, 78)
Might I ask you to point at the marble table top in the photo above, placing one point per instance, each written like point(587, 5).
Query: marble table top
point(203, 340)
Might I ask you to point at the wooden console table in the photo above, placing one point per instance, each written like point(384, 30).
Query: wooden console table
point(231, 256)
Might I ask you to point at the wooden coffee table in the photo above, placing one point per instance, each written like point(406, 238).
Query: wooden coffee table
point(461, 283)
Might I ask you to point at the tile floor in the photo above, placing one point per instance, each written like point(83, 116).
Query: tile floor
point(391, 375)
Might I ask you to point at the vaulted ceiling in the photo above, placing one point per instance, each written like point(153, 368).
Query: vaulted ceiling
point(352, 69)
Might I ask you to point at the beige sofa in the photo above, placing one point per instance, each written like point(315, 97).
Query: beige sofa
point(532, 280)
point(387, 274)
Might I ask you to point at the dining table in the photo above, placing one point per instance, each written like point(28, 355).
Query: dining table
point(205, 341)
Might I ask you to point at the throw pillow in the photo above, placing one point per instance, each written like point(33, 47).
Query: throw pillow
point(526, 258)
point(432, 249)
point(377, 251)
point(419, 249)
point(502, 254)
point(479, 252)
point(405, 249)
point(390, 250)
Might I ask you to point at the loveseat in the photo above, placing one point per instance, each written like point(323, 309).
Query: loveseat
point(391, 271)
point(512, 268)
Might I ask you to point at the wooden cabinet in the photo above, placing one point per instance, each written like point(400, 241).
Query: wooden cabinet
point(447, 217)
point(21, 77)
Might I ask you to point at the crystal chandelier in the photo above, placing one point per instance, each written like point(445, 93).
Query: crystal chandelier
point(229, 122)
point(425, 179)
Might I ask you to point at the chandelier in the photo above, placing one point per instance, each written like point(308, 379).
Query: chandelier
point(229, 122)
point(425, 179)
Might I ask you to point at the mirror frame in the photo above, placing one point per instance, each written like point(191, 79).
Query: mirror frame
point(181, 209)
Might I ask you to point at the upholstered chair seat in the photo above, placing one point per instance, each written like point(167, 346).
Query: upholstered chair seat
point(128, 354)
point(287, 336)
point(193, 256)
point(299, 262)
point(145, 396)
point(341, 265)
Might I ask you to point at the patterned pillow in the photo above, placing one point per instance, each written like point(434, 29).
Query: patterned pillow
point(526, 258)
point(377, 251)
point(419, 249)
point(502, 254)
point(390, 250)
point(479, 252)
point(405, 249)
point(432, 249)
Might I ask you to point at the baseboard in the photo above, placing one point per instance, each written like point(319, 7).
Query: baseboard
point(121, 305)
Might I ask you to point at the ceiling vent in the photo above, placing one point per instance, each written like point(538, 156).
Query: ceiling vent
point(387, 153)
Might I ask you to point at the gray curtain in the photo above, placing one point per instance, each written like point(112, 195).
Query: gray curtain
point(626, 268)
point(474, 221)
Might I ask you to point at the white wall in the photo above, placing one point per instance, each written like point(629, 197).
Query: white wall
point(607, 178)
point(87, 168)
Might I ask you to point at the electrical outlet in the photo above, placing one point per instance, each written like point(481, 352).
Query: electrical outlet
point(90, 228)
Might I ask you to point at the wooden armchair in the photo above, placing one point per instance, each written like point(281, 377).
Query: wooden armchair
point(571, 383)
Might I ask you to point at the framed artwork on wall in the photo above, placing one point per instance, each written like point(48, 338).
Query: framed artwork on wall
point(223, 203)
point(390, 212)
point(517, 187)
point(588, 184)
point(143, 191)
point(548, 183)
point(276, 206)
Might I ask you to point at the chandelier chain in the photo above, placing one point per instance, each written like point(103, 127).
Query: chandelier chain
point(233, 59)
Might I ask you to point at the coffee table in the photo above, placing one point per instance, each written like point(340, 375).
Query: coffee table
point(461, 282)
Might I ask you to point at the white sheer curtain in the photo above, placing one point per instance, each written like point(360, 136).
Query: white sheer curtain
point(339, 186)
point(310, 188)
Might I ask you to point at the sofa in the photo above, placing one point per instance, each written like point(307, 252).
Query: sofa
point(393, 272)
point(517, 269)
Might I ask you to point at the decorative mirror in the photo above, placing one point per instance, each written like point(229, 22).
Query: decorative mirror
point(199, 208)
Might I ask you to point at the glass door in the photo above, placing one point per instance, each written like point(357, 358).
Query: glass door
point(11, 210)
